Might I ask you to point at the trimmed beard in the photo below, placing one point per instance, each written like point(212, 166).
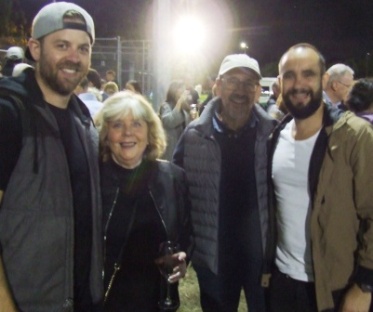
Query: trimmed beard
point(49, 74)
point(303, 111)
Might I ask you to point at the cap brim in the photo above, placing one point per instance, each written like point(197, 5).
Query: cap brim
point(28, 55)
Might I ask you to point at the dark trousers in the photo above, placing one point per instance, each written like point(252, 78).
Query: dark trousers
point(289, 295)
point(221, 293)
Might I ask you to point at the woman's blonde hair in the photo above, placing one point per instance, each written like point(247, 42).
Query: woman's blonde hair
point(121, 105)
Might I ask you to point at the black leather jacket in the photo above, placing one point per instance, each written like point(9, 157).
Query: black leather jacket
point(167, 188)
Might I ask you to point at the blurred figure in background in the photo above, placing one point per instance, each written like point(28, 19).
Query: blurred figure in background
point(110, 88)
point(175, 114)
point(88, 97)
point(274, 95)
point(210, 92)
point(145, 203)
point(19, 68)
point(339, 80)
point(133, 86)
point(278, 110)
point(13, 56)
point(111, 76)
point(189, 86)
point(360, 99)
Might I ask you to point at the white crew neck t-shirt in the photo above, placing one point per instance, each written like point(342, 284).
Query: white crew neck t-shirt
point(290, 176)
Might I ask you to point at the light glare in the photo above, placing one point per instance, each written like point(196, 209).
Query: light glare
point(189, 34)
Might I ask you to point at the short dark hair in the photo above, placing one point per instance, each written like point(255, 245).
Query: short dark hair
point(135, 84)
point(94, 77)
point(308, 46)
point(361, 95)
point(84, 83)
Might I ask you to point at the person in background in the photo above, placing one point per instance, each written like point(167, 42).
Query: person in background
point(224, 155)
point(111, 76)
point(110, 88)
point(279, 110)
point(88, 97)
point(274, 95)
point(210, 89)
point(175, 115)
point(189, 86)
point(145, 202)
point(19, 68)
point(133, 86)
point(321, 196)
point(360, 99)
point(13, 56)
point(50, 214)
point(338, 82)
point(95, 84)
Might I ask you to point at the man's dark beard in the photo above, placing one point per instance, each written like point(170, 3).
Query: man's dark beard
point(300, 111)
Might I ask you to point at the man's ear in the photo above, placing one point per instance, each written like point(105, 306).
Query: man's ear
point(258, 93)
point(34, 48)
point(325, 79)
point(218, 84)
point(279, 81)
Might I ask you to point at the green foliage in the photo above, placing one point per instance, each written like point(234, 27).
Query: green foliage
point(189, 294)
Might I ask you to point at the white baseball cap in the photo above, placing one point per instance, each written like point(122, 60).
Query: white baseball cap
point(15, 53)
point(239, 61)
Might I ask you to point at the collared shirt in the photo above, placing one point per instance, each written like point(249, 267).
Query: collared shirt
point(328, 100)
point(220, 127)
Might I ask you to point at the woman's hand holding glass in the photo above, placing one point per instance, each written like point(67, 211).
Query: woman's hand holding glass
point(173, 267)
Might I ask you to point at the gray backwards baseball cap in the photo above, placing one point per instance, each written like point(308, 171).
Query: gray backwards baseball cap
point(51, 19)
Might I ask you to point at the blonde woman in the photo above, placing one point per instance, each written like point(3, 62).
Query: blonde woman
point(145, 202)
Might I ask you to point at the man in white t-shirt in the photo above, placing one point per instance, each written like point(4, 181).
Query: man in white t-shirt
point(322, 239)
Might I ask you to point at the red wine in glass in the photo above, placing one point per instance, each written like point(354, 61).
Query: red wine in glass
point(166, 263)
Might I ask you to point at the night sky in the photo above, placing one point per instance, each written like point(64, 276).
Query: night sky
point(341, 29)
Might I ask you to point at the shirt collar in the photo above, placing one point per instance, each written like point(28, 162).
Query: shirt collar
point(221, 128)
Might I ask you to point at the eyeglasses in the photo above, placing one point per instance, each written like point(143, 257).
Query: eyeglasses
point(235, 83)
point(344, 84)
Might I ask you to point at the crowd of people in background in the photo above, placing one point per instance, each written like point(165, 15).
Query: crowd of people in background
point(106, 198)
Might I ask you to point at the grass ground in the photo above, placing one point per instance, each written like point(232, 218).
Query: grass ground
point(189, 294)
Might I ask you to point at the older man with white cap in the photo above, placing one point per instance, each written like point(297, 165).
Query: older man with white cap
point(50, 214)
point(224, 157)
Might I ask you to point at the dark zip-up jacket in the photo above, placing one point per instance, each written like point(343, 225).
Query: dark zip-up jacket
point(37, 213)
point(199, 154)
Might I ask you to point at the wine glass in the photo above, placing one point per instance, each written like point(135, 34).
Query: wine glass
point(166, 263)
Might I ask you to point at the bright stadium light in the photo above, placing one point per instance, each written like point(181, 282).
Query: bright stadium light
point(189, 34)
point(244, 46)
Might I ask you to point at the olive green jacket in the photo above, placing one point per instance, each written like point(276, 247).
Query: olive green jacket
point(341, 188)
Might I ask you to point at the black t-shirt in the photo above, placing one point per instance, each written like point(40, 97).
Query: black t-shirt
point(80, 184)
point(10, 142)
